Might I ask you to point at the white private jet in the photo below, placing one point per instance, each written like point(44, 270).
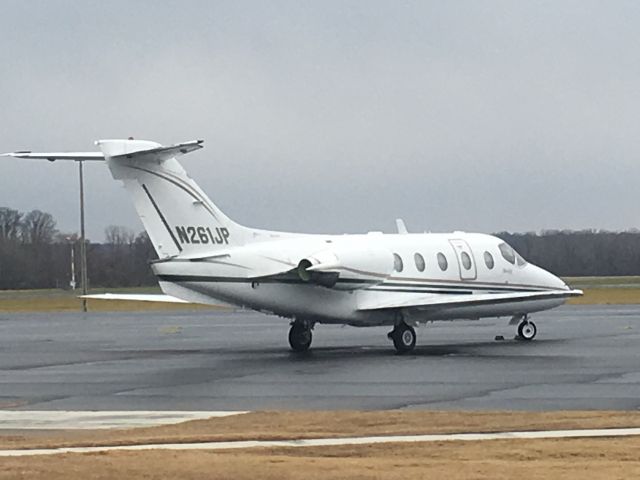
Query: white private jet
point(364, 280)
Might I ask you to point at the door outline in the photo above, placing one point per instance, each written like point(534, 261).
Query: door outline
point(460, 246)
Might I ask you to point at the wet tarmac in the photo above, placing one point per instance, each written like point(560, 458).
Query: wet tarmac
point(585, 357)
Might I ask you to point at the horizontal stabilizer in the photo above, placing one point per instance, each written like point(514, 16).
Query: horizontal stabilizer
point(437, 301)
point(139, 150)
point(52, 156)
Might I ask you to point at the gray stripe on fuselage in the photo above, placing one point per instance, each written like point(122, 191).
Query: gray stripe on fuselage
point(181, 186)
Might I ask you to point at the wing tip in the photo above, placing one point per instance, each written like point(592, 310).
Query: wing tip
point(16, 153)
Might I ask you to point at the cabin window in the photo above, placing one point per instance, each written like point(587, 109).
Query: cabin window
point(398, 266)
point(507, 253)
point(488, 260)
point(466, 260)
point(419, 259)
point(442, 261)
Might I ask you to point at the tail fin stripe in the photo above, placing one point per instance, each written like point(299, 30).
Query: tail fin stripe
point(164, 220)
point(189, 191)
point(181, 220)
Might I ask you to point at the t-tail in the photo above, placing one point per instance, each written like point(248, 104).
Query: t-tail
point(179, 217)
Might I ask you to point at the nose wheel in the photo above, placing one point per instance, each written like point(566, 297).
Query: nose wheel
point(527, 330)
point(300, 336)
point(404, 337)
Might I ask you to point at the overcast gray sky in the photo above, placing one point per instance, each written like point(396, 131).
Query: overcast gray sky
point(335, 116)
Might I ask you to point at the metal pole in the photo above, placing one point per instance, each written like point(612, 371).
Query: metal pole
point(83, 245)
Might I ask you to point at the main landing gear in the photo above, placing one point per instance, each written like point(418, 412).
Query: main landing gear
point(404, 337)
point(526, 328)
point(300, 335)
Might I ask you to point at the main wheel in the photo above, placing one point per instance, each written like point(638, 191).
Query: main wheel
point(404, 338)
point(527, 331)
point(300, 337)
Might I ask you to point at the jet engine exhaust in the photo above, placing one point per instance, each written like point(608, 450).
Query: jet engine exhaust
point(325, 279)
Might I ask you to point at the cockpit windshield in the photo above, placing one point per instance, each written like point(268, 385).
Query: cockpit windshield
point(511, 256)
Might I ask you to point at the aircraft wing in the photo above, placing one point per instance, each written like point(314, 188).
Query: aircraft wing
point(156, 297)
point(438, 301)
point(135, 297)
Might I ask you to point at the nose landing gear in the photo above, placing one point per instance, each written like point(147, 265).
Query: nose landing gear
point(527, 330)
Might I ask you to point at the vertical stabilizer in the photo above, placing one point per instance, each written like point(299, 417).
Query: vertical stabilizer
point(178, 216)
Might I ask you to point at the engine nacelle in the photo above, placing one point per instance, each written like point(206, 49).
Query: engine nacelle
point(346, 269)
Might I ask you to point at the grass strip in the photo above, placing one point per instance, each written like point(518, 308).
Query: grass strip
point(583, 459)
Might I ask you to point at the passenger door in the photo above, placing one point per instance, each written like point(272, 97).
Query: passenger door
point(466, 262)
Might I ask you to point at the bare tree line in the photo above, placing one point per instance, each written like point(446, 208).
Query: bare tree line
point(34, 254)
point(580, 253)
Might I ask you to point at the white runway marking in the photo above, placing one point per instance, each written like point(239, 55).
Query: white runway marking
point(71, 420)
point(325, 442)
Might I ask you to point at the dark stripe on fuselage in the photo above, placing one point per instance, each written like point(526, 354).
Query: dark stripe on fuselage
point(211, 279)
point(496, 301)
point(472, 284)
point(164, 220)
point(462, 287)
point(388, 287)
point(410, 290)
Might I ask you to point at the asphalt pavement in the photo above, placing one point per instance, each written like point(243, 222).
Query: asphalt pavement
point(585, 357)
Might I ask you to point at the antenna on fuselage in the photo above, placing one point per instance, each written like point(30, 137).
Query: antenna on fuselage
point(402, 228)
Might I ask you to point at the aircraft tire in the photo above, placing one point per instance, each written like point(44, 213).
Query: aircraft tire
point(404, 338)
point(527, 331)
point(300, 337)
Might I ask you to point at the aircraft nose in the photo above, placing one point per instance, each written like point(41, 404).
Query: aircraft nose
point(548, 279)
